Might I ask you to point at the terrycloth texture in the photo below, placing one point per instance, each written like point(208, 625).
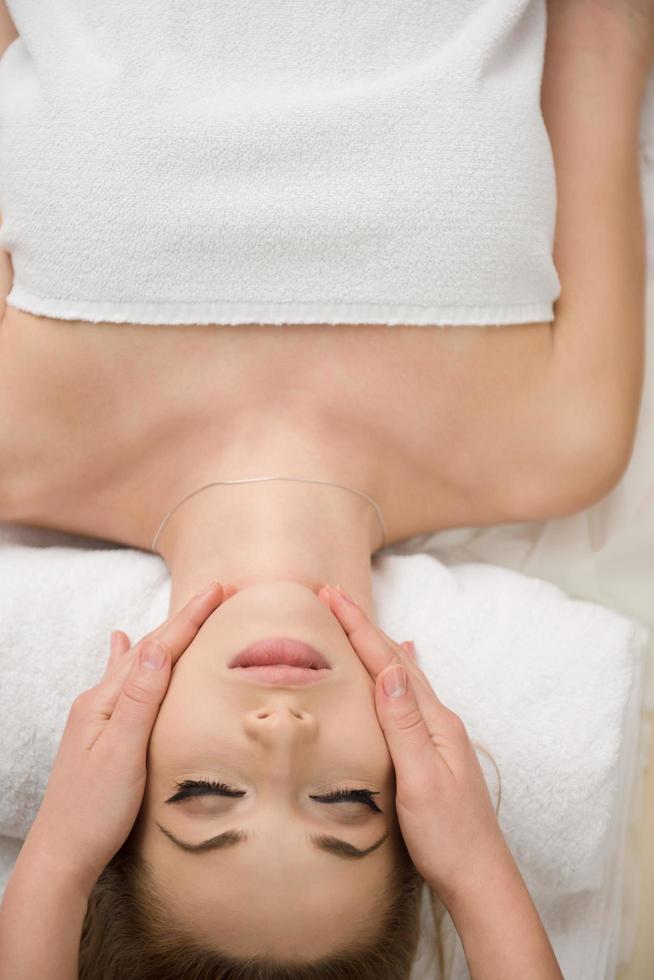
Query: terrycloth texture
point(381, 162)
point(549, 685)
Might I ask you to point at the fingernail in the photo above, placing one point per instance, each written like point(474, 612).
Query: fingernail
point(152, 656)
point(412, 647)
point(347, 597)
point(208, 588)
point(394, 682)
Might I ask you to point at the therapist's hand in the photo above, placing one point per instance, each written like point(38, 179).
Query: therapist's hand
point(98, 777)
point(444, 809)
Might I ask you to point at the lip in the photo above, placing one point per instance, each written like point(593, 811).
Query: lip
point(281, 674)
point(280, 650)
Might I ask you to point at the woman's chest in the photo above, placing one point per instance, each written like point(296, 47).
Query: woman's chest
point(95, 415)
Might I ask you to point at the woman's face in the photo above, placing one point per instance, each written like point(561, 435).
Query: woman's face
point(275, 891)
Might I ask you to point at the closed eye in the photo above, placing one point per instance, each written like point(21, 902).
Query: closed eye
point(350, 796)
point(203, 787)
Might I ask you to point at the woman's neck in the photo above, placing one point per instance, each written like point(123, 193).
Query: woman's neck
point(273, 530)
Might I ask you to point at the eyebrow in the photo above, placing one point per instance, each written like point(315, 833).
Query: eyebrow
point(334, 845)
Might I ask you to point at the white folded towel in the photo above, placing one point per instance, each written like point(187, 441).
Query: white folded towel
point(543, 681)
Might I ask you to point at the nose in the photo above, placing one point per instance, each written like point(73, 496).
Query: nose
point(280, 723)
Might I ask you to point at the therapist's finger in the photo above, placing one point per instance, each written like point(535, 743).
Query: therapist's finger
point(410, 648)
point(377, 651)
point(374, 648)
point(175, 634)
point(119, 645)
point(126, 734)
point(120, 642)
point(409, 732)
point(178, 631)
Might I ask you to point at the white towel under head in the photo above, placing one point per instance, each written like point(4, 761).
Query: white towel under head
point(280, 162)
point(547, 684)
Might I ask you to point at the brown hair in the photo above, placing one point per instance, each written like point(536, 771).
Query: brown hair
point(127, 933)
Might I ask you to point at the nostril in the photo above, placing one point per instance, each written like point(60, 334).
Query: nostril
point(265, 714)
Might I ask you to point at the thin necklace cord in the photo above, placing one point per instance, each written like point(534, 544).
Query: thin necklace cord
point(257, 479)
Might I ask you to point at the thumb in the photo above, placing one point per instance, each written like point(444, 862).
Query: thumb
point(406, 733)
point(138, 703)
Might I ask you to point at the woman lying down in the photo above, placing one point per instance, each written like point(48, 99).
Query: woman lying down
point(261, 786)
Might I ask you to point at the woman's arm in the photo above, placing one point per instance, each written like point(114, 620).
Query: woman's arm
point(597, 61)
point(498, 924)
point(41, 918)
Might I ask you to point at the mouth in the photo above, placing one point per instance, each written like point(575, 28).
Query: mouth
point(280, 660)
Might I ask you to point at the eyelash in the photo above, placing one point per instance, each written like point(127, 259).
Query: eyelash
point(207, 787)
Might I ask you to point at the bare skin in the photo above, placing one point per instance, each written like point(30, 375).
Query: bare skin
point(104, 427)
